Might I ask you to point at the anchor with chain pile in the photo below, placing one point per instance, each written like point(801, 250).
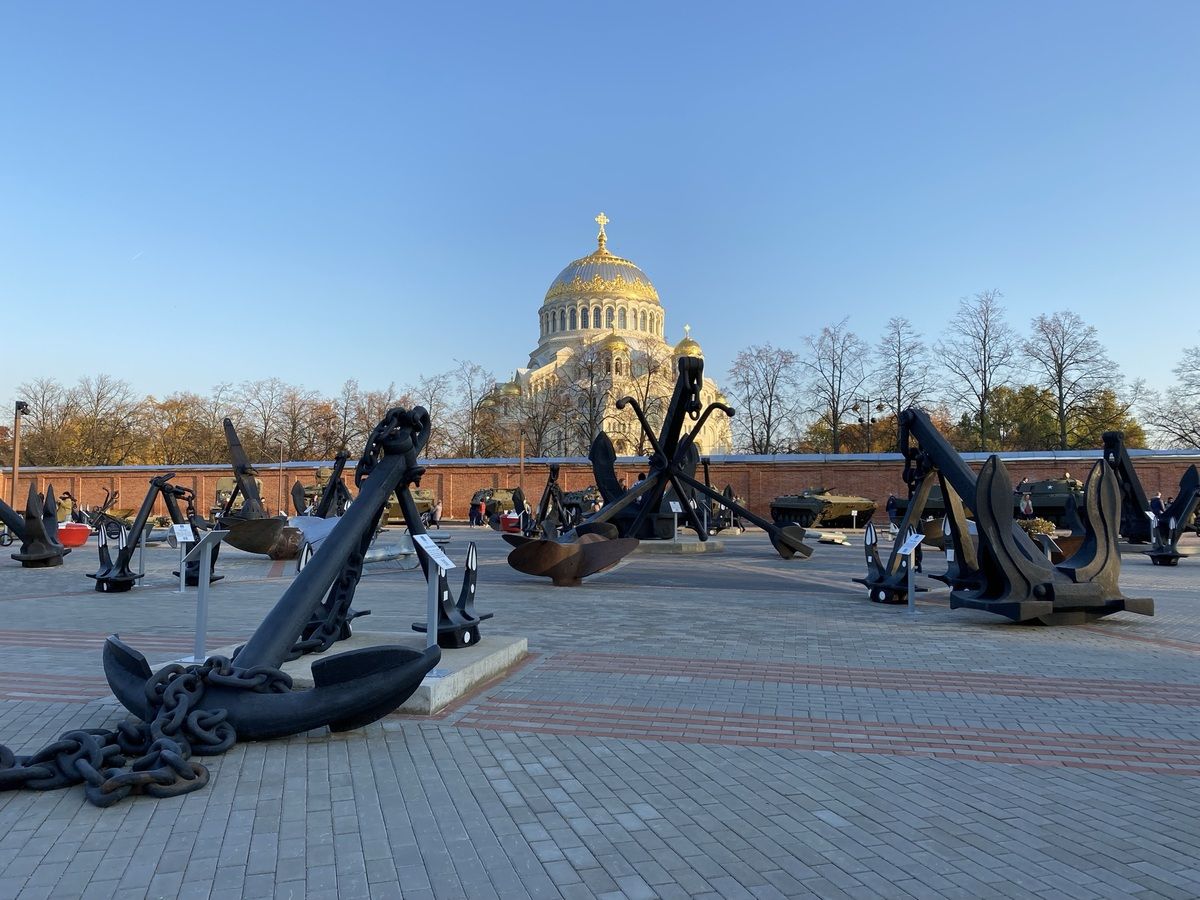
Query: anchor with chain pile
point(203, 709)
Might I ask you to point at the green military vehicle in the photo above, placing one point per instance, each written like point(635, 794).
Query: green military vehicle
point(423, 498)
point(496, 501)
point(580, 503)
point(1049, 499)
point(225, 488)
point(818, 506)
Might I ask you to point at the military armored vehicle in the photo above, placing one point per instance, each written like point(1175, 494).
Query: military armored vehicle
point(424, 498)
point(225, 488)
point(496, 501)
point(1048, 499)
point(580, 503)
point(818, 506)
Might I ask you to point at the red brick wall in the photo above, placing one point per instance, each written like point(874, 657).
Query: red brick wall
point(755, 480)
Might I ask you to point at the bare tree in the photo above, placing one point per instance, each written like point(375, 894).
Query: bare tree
point(298, 425)
point(107, 420)
point(258, 418)
point(472, 383)
point(763, 384)
point(651, 380)
point(835, 368)
point(1174, 415)
point(979, 350)
point(48, 429)
point(1072, 365)
point(588, 386)
point(434, 392)
point(902, 376)
point(538, 412)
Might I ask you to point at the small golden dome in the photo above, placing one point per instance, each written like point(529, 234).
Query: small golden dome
point(509, 389)
point(614, 342)
point(688, 347)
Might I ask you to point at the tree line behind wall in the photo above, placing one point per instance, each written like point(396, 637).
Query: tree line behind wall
point(986, 385)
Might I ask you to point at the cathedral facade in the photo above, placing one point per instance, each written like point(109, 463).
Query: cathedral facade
point(601, 337)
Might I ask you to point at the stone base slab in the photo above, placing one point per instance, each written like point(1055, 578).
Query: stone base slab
point(653, 548)
point(457, 674)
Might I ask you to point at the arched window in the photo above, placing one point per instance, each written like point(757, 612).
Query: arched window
point(618, 363)
point(595, 317)
point(553, 322)
point(562, 320)
point(573, 326)
point(608, 318)
point(621, 320)
point(643, 320)
point(607, 365)
point(583, 318)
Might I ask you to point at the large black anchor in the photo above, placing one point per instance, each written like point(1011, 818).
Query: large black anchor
point(350, 689)
point(1009, 576)
point(37, 531)
point(672, 465)
point(115, 575)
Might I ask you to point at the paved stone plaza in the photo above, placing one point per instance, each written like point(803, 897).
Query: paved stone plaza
point(724, 726)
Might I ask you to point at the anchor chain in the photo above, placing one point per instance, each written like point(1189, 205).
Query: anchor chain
point(152, 757)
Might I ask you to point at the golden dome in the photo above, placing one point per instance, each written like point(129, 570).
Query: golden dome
point(600, 274)
point(509, 389)
point(688, 347)
point(614, 342)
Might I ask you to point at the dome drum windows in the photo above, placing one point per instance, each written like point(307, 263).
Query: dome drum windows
point(621, 319)
point(573, 325)
point(583, 318)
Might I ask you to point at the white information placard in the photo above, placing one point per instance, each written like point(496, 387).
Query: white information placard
point(910, 544)
point(675, 507)
point(183, 533)
point(439, 558)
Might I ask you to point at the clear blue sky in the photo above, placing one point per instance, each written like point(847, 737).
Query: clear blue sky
point(371, 190)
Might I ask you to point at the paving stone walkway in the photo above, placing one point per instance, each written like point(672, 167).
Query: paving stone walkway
point(725, 725)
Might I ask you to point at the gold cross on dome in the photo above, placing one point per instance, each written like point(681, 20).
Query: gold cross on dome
point(602, 220)
point(687, 332)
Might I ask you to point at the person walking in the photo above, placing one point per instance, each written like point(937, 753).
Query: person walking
point(435, 514)
point(1156, 505)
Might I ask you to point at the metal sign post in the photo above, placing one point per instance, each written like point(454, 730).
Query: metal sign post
point(142, 554)
point(440, 564)
point(184, 536)
point(909, 549)
point(676, 509)
point(202, 551)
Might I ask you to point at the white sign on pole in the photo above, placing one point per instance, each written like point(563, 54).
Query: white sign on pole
point(436, 554)
point(675, 507)
point(911, 543)
point(183, 532)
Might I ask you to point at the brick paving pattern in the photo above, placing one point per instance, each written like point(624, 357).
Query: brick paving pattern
point(725, 726)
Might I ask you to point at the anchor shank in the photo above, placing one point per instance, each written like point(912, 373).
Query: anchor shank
point(273, 640)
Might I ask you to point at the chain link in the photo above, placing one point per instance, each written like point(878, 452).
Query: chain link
point(152, 757)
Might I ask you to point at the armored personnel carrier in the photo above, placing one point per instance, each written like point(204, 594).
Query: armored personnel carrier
point(818, 506)
point(1049, 499)
point(424, 499)
point(496, 501)
point(580, 503)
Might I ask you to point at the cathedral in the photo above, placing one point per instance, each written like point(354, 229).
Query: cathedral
point(601, 337)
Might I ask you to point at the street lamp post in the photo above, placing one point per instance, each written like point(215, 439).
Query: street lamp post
point(279, 441)
point(21, 410)
point(872, 405)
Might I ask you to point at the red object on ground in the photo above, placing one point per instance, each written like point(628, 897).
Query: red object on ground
point(510, 523)
point(73, 534)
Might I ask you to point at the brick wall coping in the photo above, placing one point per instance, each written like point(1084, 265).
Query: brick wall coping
point(1032, 456)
